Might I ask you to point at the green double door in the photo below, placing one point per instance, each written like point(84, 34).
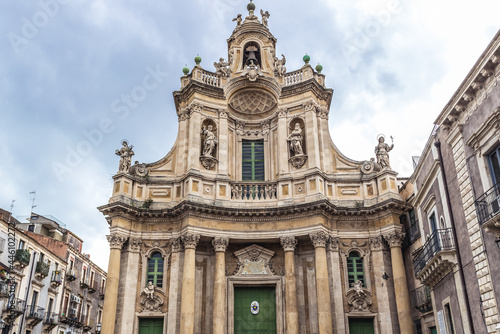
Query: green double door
point(150, 326)
point(245, 322)
point(361, 326)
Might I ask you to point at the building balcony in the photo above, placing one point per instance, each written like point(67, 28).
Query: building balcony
point(253, 191)
point(13, 308)
point(42, 269)
point(421, 299)
point(56, 279)
point(488, 209)
point(34, 315)
point(50, 321)
point(412, 233)
point(22, 258)
point(71, 274)
point(4, 289)
point(101, 293)
point(93, 287)
point(84, 283)
point(71, 318)
point(436, 259)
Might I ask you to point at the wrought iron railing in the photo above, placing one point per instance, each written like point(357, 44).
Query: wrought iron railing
point(488, 204)
point(92, 287)
point(16, 304)
point(253, 190)
point(412, 233)
point(421, 298)
point(440, 240)
point(35, 312)
point(23, 257)
point(51, 318)
point(42, 268)
point(56, 277)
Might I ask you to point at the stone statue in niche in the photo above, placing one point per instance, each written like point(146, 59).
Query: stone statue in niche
point(238, 20)
point(222, 67)
point(382, 152)
point(295, 140)
point(210, 141)
point(279, 65)
point(149, 290)
point(125, 154)
point(265, 17)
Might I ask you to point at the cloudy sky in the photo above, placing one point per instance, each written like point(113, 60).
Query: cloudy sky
point(66, 65)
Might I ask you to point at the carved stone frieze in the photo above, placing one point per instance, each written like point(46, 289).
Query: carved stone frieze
point(116, 241)
point(190, 241)
point(311, 106)
point(395, 239)
point(288, 243)
point(319, 239)
point(220, 244)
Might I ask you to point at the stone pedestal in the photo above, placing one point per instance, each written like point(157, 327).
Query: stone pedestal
point(319, 241)
point(219, 306)
point(292, 314)
point(400, 285)
point(116, 242)
point(188, 279)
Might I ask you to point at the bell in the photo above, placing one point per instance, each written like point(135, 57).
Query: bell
point(252, 59)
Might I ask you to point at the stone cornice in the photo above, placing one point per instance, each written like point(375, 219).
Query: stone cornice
point(195, 86)
point(311, 85)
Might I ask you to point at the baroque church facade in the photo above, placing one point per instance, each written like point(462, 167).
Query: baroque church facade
point(255, 221)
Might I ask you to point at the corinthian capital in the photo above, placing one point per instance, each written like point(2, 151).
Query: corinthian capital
point(116, 241)
point(319, 239)
point(134, 244)
point(220, 244)
point(377, 243)
point(288, 243)
point(190, 241)
point(394, 239)
point(176, 245)
point(333, 245)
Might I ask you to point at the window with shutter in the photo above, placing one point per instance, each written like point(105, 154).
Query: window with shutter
point(253, 160)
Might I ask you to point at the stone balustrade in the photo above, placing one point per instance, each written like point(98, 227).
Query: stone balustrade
point(253, 190)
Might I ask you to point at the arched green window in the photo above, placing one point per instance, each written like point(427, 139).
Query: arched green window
point(155, 270)
point(355, 270)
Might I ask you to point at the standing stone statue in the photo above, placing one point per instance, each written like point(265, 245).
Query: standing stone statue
point(125, 154)
point(222, 67)
point(210, 142)
point(279, 65)
point(265, 17)
point(295, 139)
point(382, 152)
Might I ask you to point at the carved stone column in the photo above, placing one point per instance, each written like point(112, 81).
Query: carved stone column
point(124, 322)
point(116, 242)
point(336, 283)
point(220, 245)
point(386, 315)
point(223, 148)
point(188, 279)
point(319, 241)
point(292, 313)
point(173, 293)
point(395, 240)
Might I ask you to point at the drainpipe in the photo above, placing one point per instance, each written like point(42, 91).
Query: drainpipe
point(457, 246)
point(21, 323)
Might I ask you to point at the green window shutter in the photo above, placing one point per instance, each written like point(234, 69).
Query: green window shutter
point(253, 160)
point(355, 270)
point(155, 270)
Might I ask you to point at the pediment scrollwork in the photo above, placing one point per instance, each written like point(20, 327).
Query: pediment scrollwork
point(152, 299)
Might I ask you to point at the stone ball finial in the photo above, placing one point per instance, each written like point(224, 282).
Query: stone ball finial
point(319, 68)
point(306, 59)
point(185, 70)
point(197, 60)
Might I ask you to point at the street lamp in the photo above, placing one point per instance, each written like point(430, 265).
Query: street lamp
point(2, 324)
point(98, 328)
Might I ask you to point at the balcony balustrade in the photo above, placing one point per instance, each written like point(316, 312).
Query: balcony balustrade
point(50, 321)
point(92, 287)
point(421, 299)
point(436, 258)
point(13, 308)
point(488, 207)
point(42, 269)
point(56, 278)
point(71, 274)
point(412, 233)
point(253, 191)
point(84, 283)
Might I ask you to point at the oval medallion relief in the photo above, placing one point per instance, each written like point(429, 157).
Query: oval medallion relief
point(253, 102)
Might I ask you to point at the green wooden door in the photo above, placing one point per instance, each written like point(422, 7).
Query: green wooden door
point(361, 326)
point(433, 330)
point(263, 322)
point(150, 326)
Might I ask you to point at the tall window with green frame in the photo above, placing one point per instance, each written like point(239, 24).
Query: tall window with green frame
point(355, 270)
point(155, 270)
point(253, 160)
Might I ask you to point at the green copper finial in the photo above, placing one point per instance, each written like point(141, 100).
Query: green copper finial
point(185, 70)
point(306, 59)
point(319, 68)
point(197, 60)
point(251, 7)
